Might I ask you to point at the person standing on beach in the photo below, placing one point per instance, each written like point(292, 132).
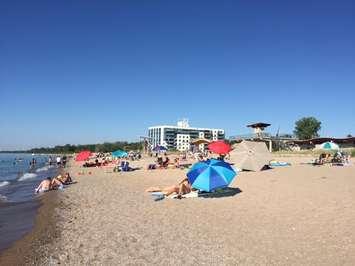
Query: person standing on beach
point(59, 161)
point(32, 163)
point(64, 161)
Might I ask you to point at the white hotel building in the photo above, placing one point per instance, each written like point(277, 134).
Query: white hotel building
point(179, 137)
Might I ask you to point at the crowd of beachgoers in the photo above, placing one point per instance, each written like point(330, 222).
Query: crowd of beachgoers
point(299, 198)
point(337, 158)
point(163, 160)
point(158, 160)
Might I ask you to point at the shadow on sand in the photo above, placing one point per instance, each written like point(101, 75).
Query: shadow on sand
point(228, 192)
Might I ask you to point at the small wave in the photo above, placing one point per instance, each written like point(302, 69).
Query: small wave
point(4, 183)
point(27, 176)
point(42, 169)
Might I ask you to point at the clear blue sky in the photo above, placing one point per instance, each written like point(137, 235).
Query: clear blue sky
point(94, 71)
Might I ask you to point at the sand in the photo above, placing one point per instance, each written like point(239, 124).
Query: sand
point(297, 215)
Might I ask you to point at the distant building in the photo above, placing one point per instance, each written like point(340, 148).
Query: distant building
point(180, 136)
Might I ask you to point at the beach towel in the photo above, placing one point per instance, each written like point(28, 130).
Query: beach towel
point(219, 193)
point(279, 164)
point(340, 164)
point(192, 194)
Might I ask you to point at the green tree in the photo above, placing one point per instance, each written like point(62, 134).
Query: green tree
point(307, 128)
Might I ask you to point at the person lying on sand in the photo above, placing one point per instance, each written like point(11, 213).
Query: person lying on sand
point(184, 187)
point(152, 166)
point(44, 186)
point(92, 164)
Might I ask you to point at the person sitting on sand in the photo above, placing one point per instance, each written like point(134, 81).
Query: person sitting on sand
point(200, 158)
point(160, 161)
point(321, 159)
point(184, 187)
point(56, 183)
point(152, 166)
point(126, 167)
point(177, 162)
point(221, 157)
point(44, 186)
point(166, 162)
point(65, 180)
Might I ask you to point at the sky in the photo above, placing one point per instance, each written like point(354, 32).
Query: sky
point(93, 71)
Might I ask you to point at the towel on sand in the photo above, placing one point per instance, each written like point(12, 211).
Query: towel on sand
point(277, 163)
point(222, 192)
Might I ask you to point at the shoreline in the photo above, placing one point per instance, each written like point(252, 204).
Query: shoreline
point(33, 245)
point(29, 249)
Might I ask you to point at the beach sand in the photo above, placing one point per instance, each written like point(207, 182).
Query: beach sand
point(297, 215)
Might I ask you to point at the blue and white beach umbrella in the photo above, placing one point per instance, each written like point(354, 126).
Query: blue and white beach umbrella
point(211, 174)
point(329, 146)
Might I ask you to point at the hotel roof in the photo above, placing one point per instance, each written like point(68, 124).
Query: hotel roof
point(188, 128)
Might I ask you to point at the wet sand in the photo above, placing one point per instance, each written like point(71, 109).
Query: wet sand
point(297, 215)
point(33, 246)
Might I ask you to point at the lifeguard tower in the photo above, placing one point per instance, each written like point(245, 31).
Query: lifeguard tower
point(259, 133)
point(258, 129)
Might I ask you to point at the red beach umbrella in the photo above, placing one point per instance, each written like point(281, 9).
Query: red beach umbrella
point(219, 147)
point(83, 156)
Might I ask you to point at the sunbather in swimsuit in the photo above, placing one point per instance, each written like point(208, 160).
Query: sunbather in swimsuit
point(184, 187)
point(65, 180)
point(44, 186)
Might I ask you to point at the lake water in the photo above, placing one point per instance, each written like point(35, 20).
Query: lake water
point(18, 203)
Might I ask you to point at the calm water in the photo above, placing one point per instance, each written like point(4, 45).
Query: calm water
point(18, 203)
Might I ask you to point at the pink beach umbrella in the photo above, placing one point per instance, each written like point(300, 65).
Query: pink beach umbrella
point(83, 156)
